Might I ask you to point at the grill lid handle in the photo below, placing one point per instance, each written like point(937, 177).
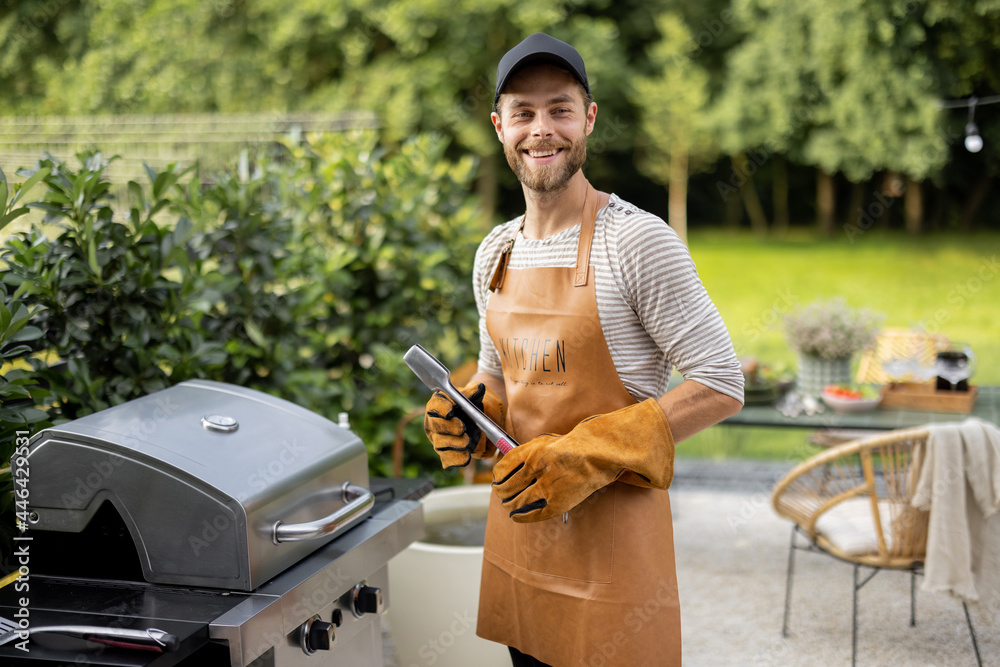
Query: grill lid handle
point(359, 500)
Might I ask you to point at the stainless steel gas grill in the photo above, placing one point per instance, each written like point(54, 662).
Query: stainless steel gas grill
point(240, 527)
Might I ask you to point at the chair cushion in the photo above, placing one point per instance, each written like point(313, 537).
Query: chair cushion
point(850, 527)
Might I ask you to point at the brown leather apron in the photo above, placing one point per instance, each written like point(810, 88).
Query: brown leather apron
point(600, 588)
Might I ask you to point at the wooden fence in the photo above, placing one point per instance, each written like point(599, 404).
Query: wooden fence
point(157, 140)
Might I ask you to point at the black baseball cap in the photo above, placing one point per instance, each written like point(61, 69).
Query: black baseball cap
point(539, 48)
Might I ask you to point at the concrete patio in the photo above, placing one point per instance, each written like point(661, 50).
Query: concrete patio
point(732, 554)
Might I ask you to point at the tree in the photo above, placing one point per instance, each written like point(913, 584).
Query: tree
point(672, 105)
point(847, 88)
point(421, 65)
point(843, 87)
point(37, 37)
point(964, 38)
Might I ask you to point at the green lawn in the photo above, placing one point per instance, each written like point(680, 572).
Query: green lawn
point(939, 282)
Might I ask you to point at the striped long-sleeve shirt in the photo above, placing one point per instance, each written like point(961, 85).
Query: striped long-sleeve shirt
point(654, 310)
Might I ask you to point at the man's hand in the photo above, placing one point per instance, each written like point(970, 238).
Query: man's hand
point(455, 437)
point(550, 475)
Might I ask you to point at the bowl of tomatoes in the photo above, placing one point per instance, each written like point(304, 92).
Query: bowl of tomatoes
point(844, 398)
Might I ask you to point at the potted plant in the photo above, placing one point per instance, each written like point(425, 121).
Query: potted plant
point(826, 334)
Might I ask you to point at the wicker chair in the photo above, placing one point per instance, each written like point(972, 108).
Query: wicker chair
point(852, 502)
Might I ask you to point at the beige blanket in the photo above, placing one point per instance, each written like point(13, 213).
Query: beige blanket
point(960, 485)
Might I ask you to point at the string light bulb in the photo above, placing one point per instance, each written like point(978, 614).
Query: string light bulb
point(973, 142)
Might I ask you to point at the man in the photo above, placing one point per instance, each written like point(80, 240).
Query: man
point(586, 304)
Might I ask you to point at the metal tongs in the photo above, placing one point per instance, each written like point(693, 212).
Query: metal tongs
point(437, 377)
point(149, 639)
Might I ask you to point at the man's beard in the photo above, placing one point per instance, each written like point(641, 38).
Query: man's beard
point(546, 178)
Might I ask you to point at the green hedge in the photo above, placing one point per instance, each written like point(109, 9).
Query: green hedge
point(305, 273)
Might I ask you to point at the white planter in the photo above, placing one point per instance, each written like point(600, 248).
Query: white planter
point(434, 591)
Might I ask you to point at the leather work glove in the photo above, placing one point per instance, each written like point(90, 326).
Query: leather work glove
point(455, 437)
point(551, 474)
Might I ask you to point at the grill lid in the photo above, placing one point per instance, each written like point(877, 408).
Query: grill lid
point(213, 481)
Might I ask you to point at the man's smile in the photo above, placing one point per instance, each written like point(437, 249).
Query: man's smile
point(546, 164)
point(542, 152)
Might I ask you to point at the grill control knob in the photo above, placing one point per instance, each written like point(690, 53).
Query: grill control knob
point(321, 636)
point(367, 600)
point(316, 635)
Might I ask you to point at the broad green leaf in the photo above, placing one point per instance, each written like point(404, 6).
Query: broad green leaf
point(164, 181)
point(26, 334)
point(135, 194)
point(182, 230)
point(13, 416)
point(58, 197)
point(14, 351)
point(26, 187)
point(41, 206)
point(255, 334)
point(13, 391)
point(19, 317)
point(33, 415)
point(11, 216)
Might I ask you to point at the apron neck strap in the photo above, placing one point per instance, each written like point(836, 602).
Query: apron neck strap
point(496, 282)
point(586, 236)
point(591, 202)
